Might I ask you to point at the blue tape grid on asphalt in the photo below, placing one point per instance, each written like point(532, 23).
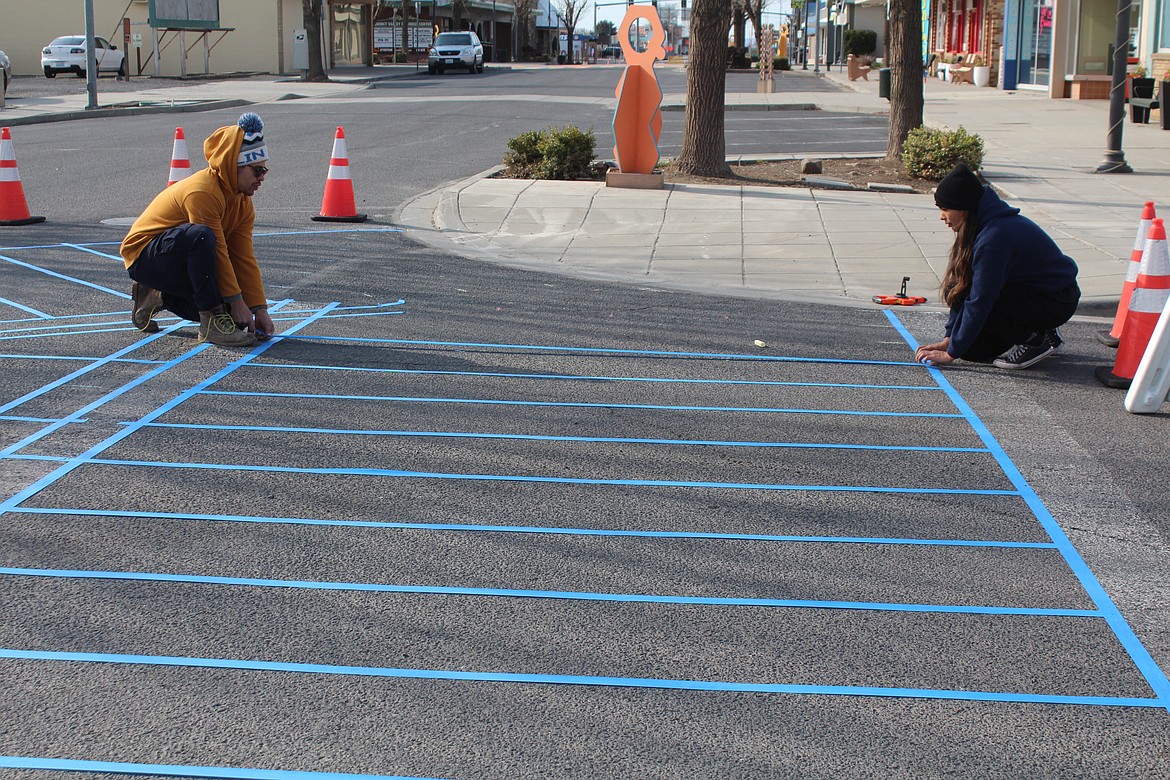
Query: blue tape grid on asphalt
point(596, 439)
point(586, 405)
point(1153, 674)
point(570, 679)
point(597, 378)
point(173, 770)
point(15, 500)
point(631, 598)
point(524, 529)
point(1115, 623)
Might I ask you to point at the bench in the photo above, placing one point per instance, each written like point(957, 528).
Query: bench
point(1139, 107)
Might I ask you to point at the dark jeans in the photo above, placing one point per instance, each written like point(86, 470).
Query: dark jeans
point(1018, 313)
point(180, 263)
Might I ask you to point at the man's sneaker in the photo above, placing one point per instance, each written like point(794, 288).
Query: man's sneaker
point(218, 327)
point(1036, 348)
point(1054, 338)
point(147, 302)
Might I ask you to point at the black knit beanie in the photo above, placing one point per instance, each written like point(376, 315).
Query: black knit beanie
point(959, 189)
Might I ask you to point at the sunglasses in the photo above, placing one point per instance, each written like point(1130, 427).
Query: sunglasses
point(259, 170)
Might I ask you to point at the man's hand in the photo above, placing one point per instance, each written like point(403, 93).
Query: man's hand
point(263, 326)
point(241, 314)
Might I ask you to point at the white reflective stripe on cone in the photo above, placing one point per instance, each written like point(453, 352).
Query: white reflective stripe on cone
point(1151, 380)
point(339, 172)
point(1148, 300)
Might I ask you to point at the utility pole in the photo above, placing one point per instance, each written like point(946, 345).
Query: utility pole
point(90, 58)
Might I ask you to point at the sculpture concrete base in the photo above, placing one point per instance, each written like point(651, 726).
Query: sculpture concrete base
point(765, 86)
point(635, 181)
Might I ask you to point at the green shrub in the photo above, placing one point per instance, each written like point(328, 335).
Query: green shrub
point(564, 153)
point(860, 42)
point(781, 63)
point(931, 154)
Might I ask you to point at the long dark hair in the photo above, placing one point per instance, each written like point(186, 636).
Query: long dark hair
point(956, 281)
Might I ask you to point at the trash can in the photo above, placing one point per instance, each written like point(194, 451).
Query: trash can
point(884, 83)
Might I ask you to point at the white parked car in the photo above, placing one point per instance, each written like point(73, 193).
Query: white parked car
point(67, 54)
point(5, 73)
point(455, 50)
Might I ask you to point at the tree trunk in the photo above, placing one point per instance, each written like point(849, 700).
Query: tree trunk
point(311, 12)
point(905, 60)
point(703, 147)
point(405, 33)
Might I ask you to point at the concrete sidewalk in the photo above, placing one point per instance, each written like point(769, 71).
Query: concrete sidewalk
point(816, 244)
point(838, 246)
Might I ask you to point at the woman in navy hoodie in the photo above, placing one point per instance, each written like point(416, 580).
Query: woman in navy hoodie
point(1007, 283)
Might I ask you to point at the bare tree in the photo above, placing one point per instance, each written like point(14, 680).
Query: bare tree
point(905, 62)
point(754, 11)
point(704, 146)
point(311, 13)
point(570, 11)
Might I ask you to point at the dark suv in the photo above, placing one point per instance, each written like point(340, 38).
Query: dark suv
point(455, 50)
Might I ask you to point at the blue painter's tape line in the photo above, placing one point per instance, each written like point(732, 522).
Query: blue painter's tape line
point(589, 378)
point(584, 405)
point(70, 279)
point(86, 248)
point(29, 309)
point(67, 329)
point(68, 317)
point(591, 439)
point(535, 529)
point(179, 770)
point(72, 332)
point(1153, 674)
point(77, 358)
point(565, 679)
point(633, 598)
point(553, 480)
point(616, 351)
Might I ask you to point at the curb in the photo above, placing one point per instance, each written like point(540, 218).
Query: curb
point(115, 110)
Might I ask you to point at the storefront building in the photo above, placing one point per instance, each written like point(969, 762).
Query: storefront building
point(1061, 47)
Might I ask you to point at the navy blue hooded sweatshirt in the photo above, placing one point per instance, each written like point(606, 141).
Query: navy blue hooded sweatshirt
point(1009, 249)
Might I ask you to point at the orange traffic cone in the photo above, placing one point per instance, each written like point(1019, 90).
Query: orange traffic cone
point(13, 206)
point(338, 204)
point(180, 162)
point(1113, 337)
point(1150, 293)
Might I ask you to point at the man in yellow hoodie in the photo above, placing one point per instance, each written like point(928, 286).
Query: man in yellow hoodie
point(190, 251)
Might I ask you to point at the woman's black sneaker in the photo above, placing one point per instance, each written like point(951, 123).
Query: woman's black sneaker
point(1036, 348)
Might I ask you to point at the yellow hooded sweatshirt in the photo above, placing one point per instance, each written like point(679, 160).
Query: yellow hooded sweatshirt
point(209, 197)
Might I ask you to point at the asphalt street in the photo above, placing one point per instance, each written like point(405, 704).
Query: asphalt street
point(464, 520)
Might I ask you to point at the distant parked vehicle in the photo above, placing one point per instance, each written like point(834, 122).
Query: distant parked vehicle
point(455, 50)
point(5, 72)
point(67, 55)
point(611, 52)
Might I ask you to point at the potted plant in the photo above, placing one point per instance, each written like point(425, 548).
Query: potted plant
point(1140, 86)
point(980, 73)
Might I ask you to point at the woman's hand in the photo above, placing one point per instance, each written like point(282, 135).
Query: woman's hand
point(935, 354)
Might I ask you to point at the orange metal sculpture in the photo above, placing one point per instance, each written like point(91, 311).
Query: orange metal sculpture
point(637, 121)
